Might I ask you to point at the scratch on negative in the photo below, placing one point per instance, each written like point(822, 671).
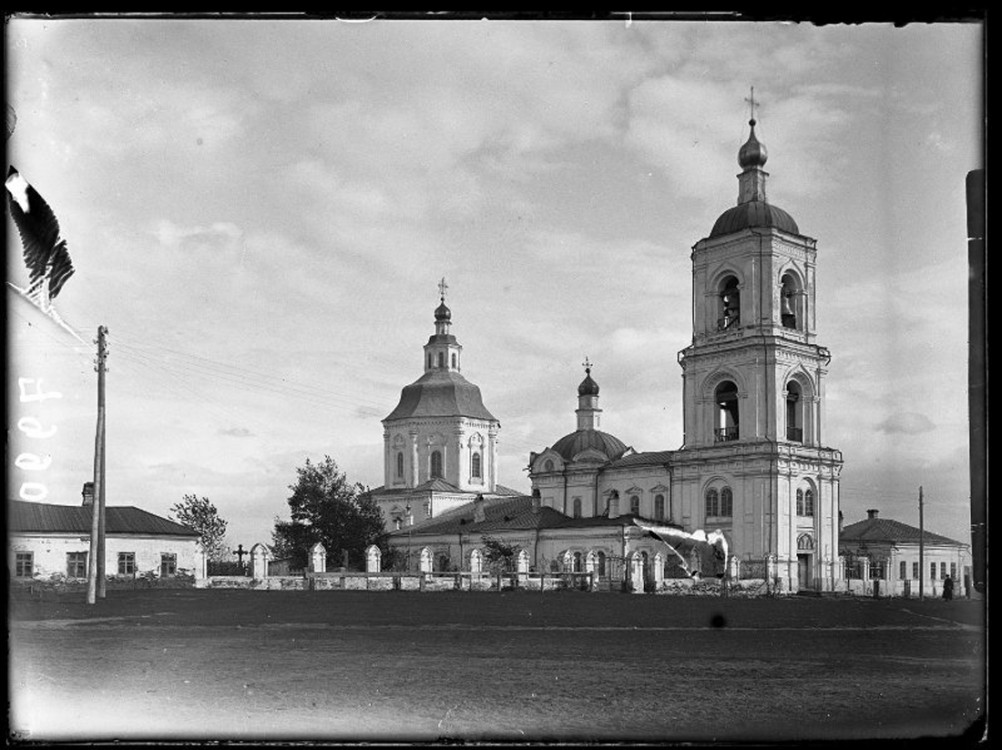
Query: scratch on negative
point(440, 721)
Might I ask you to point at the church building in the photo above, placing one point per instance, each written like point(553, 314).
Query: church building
point(440, 443)
point(753, 464)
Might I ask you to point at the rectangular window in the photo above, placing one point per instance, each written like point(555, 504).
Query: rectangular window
point(76, 564)
point(24, 565)
point(932, 571)
point(903, 572)
point(953, 571)
point(942, 570)
point(126, 563)
point(877, 571)
point(915, 570)
point(168, 564)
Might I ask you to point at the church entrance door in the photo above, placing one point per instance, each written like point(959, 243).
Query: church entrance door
point(804, 571)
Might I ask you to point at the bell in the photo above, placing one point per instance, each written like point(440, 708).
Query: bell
point(786, 307)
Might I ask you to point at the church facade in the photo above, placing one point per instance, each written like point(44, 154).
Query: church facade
point(753, 465)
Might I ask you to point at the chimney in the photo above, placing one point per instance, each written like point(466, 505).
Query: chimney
point(88, 494)
point(478, 509)
point(872, 513)
point(536, 501)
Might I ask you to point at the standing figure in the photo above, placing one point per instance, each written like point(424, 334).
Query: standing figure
point(948, 588)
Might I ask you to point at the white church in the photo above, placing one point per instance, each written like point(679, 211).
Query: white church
point(753, 464)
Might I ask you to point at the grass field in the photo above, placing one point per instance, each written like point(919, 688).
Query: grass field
point(561, 666)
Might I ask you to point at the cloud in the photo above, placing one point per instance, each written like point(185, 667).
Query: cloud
point(908, 423)
point(239, 432)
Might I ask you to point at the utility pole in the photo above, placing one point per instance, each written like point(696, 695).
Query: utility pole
point(921, 547)
point(96, 584)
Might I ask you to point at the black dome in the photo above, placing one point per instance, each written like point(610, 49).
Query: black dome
point(588, 386)
point(570, 445)
point(753, 214)
point(442, 312)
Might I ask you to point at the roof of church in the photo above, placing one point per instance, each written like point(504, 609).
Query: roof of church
point(753, 214)
point(441, 393)
point(646, 458)
point(889, 530)
point(570, 445)
point(30, 517)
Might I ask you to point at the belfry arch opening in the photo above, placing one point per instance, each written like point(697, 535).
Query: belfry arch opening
point(794, 412)
point(725, 399)
point(729, 303)
point(789, 302)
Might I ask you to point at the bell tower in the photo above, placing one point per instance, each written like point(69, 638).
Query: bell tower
point(753, 389)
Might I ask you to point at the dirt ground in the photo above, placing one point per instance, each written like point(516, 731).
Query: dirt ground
point(242, 665)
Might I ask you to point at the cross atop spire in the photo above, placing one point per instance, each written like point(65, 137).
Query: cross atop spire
point(587, 365)
point(442, 286)
point(752, 104)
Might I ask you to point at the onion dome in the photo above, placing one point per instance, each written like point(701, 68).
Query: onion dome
point(588, 386)
point(571, 445)
point(442, 313)
point(753, 153)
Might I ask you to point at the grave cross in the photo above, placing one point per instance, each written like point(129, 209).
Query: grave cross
point(240, 552)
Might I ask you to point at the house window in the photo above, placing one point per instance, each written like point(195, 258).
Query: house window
point(712, 503)
point(932, 571)
point(24, 565)
point(436, 464)
point(809, 502)
point(800, 502)
point(168, 565)
point(577, 562)
point(659, 507)
point(634, 505)
point(577, 507)
point(400, 465)
point(429, 361)
point(126, 563)
point(600, 559)
point(76, 564)
point(902, 570)
point(475, 465)
point(942, 570)
point(441, 360)
point(453, 361)
point(788, 302)
point(877, 570)
point(726, 502)
point(953, 571)
point(915, 570)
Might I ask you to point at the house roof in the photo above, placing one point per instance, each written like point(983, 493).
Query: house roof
point(648, 458)
point(28, 517)
point(889, 530)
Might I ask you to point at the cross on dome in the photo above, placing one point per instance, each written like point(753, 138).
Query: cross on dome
point(442, 286)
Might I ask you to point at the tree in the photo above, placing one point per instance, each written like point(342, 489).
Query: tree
point(499, 555)
point(327, 508)
point(199, 514)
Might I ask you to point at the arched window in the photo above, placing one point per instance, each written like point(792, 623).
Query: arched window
point(577, 507)
point(726, 502)
point(548, 465)
point(805, 542)
point(578, 567)
point(788, 302)
point(726, 399)
point(475, 465)
point(400, 464)
point(800, 502)
point(436, 464)
point(453, 361)
point(659, 507)
point(794, 412)
point(634, 505)
point(712, 503)
point(730, 304)
point(441, 360)
point(809, 503)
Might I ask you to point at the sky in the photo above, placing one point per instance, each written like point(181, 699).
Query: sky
point(260, 212)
